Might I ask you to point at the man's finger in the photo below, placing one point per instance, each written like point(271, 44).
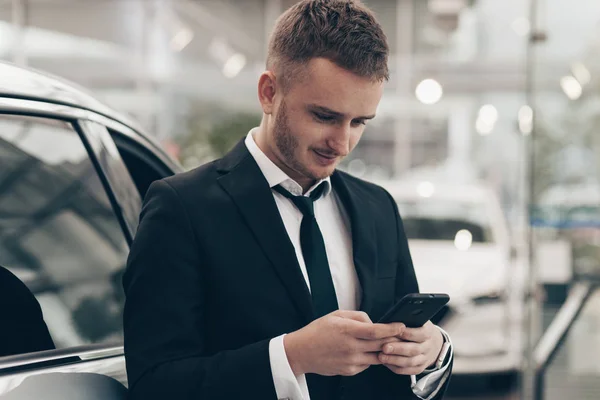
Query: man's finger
point(359, 316)
point(374, 331)
point(376, 345)
point(418, 335)
point(370, 359)
point(405, 349)
point(419, 361)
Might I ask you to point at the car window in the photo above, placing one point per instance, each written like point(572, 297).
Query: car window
point(442, 229)
point(58, 231)
point(429, 219)
point(144, 167)
point(119, 179)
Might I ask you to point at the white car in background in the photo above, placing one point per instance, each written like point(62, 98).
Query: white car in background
point(460, 245)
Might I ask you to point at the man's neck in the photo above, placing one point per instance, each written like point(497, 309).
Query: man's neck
point(259, 137)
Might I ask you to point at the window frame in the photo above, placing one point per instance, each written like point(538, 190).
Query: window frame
point(116, 203)
point(137, 149)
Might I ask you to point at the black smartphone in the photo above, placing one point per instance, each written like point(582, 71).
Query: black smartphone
point(415, 309)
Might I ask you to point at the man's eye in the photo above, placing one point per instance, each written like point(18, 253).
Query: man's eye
point(324, 118)
point(359, 122)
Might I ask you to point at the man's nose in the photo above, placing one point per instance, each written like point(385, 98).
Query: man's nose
point(339, 139)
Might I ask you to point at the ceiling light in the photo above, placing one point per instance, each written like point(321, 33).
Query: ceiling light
point(571, 87)
point(181, 39)
point(525, 119)
point(488, 114)
point(429, 91)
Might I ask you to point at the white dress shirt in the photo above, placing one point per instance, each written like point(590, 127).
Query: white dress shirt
point(334, 224)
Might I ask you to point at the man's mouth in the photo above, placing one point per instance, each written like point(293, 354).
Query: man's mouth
point(325, 159)
point(326, 155)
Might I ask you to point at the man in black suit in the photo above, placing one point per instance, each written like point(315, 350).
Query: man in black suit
point(258, 276)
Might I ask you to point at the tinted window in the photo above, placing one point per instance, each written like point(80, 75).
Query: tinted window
point(58, 231)
point(441, 229)
point(143, 166)
point(430, 219)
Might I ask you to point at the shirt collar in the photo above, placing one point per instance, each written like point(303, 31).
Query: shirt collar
point(274, 175)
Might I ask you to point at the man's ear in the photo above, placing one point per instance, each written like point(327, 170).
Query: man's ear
point(267, 88)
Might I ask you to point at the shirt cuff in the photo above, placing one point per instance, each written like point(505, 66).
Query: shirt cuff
point(287, 385)
point(428, 386)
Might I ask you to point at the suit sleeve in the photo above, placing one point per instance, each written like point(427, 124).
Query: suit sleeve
point(164, 317)
point(406, 278)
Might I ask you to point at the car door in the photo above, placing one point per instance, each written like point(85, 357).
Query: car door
point(68, 212)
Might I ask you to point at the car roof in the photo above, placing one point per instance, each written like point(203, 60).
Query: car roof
point(412, 190)
point(469, 193)
point(26, 83)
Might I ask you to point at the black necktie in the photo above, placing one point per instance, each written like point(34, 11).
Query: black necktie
point(313, 250)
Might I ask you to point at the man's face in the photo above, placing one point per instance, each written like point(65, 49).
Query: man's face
point(320, 119)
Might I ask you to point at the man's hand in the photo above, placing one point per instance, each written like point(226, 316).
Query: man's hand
point(414, 350)
point(340, 343)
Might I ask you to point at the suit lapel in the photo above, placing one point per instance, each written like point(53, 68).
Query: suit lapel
point(243, 180)
point(363, 236)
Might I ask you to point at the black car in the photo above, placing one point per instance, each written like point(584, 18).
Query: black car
point(72, 176)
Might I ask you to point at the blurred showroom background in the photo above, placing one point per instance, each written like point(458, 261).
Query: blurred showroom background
point(489, 123)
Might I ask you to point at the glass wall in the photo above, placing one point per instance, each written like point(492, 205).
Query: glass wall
point(564, 183)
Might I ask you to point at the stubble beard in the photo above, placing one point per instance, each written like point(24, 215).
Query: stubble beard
point(287, 145)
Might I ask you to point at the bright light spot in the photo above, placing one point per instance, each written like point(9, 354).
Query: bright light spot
point(489, 114)
point(234, 65)
point(486, 119)
point(525, 120)
point(182, 39)
point(425, 189)
point(483, 128)
point(521, 26)
point(571, 87)
point(429, 91)
point(581, 73)
point(463, 240)
point(357, 168)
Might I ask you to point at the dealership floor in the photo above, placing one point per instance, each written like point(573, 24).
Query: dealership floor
point(573, 374)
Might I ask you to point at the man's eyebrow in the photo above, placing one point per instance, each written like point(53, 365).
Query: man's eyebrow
point(333, 113)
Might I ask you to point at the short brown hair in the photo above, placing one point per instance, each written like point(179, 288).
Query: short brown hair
point(343, 31)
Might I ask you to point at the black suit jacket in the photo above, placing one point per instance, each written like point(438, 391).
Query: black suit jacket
point(212, 277)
